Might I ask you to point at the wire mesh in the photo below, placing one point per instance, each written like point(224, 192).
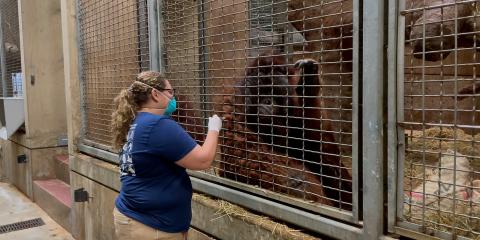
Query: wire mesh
point(442, 118)
point(280, 72)
point(10, 67)
point(114, 48)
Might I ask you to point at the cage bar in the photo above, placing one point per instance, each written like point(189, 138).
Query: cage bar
point(114, 47)
point(438, 177)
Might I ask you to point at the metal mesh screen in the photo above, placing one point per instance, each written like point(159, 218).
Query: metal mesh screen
point(267, 25)
point(10, 62)
point(280, 72)
point(113, 49)
point(441, 172)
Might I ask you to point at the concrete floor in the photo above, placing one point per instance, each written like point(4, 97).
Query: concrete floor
point(16, 207)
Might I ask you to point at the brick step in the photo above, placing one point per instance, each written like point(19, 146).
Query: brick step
point(54, 197)
point(62, 170)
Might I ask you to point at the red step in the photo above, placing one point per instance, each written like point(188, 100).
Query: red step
point(53, 196)
point(56, 188)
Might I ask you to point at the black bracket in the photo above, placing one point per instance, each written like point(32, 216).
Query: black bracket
point(22, 158)
point(80, 195)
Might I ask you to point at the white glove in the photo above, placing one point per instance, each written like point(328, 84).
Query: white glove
point(214, 123)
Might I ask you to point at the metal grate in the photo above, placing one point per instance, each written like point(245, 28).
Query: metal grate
point(114, 47)
point(302, 149)
point(441, 170)
point(13, 227)
point(10, 60)
point(268, 25)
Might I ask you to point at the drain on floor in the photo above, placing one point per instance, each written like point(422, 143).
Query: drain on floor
point(37, 222)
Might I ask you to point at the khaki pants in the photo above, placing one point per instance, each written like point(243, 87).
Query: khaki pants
point(127, 228)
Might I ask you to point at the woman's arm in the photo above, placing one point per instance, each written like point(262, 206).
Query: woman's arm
point(201, 157)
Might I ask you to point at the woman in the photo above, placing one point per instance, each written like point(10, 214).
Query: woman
point(156, 193)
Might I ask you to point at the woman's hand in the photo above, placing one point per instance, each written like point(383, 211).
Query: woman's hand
point(214, 123)
point(201, 157)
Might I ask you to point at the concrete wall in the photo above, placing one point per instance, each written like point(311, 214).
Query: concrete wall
point(39, 165)
point(20, 173)
point(94, 219)
point(42, 67)
point(5, 173)
point(3, 176)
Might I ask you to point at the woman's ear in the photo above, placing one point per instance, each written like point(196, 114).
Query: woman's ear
point(155, 94)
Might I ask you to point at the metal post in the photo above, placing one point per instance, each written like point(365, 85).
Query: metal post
point(356, 113)
point(3, 66)
point(393, 46)
point(161, 41)
point(78, 35)
point(153, 35)
point(400, 114)
point(373, 118)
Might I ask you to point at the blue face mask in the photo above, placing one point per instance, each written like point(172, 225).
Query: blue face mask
point(171, 107)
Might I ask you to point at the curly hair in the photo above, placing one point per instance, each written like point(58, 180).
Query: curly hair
point(129, 101)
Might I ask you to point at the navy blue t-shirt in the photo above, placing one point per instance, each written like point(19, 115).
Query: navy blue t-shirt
point(156, 191)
